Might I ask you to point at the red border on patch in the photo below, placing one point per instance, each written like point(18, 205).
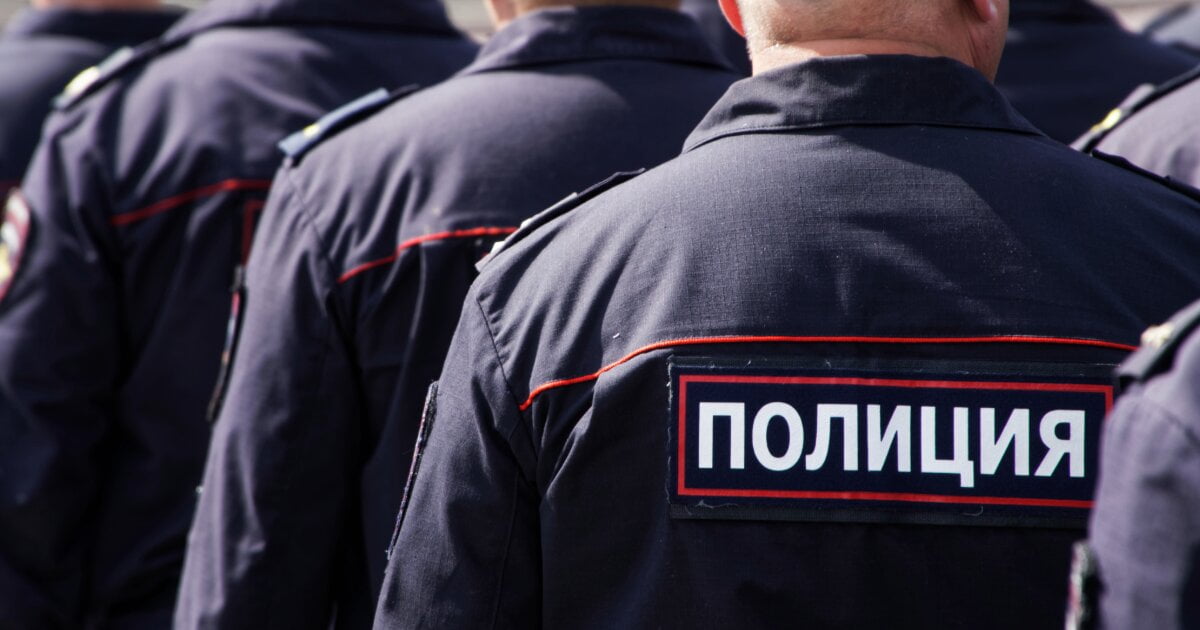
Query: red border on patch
point(683, 490)
point(22, 225)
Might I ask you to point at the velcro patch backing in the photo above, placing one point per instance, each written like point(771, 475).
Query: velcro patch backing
point(923, 442)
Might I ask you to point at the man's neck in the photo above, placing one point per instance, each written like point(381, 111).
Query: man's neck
point(784, 54)
point(503, 13)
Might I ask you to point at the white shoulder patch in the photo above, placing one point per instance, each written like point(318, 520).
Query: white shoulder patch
point(14, 235)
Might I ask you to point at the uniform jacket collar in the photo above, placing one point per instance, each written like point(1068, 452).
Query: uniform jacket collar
point(427, 16)
point(1067, 10)
point(860, 90)
point(116, 28)
point(572, 34)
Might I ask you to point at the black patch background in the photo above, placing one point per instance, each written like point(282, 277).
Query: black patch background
point(832, 477)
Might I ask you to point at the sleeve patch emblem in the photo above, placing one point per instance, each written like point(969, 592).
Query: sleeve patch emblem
point(14, 236)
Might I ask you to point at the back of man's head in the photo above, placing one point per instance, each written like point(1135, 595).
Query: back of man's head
point(787, 31)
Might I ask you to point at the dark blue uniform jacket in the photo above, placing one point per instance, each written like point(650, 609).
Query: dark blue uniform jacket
point(1157, 129)
point(1068, 62)
point(367, 247)
point(1145, 530)
point(141, 201)
point(719, 33)
point(1179, 27)
point(40, 51)
point(844, 243)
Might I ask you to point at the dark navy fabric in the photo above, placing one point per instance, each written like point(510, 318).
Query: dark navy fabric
point(1163, 134)
point(719, 33)
point(1068, 62)
point(1145, 529)
point(366, 250)
point(842, 208)
point(40, 51)
point(144, 192)
point(1179, 27)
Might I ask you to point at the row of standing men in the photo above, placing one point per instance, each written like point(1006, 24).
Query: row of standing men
point(142, 207)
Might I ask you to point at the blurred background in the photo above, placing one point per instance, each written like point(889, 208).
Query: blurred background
point(1136, 13)
point(470, 16)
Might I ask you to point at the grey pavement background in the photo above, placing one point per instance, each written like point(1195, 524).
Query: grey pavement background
point(470, 15)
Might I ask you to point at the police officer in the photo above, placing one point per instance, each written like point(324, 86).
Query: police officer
point(367, 247)
point(44, 46)
point(1068, 62)
point(1178, 27)
point(722, 37)
point(840, 364)
point(1157, 128)
point(117, 262)
point(1141, 568)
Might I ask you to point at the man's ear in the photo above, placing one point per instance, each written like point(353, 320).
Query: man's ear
point(733, 14)
point(501, 11)
point(986, 10)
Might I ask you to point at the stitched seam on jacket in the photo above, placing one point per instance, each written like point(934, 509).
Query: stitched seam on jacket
point(512, 524)
point(331, 336)
point(517, 474)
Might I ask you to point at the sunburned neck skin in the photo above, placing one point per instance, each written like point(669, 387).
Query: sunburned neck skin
point(778, 55)
point(122, 5)
point(783, 32)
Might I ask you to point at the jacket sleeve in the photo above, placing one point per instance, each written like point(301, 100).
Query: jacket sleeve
point(1145, 528)
point(283, 456)
point(467, 552)
point(60, 359)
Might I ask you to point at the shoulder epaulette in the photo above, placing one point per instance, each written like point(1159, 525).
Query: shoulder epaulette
point(89, 80)
point(301, 142)
point(1159, 345)
point(567, 204)
point(1141, 97)
point(1180, 187)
